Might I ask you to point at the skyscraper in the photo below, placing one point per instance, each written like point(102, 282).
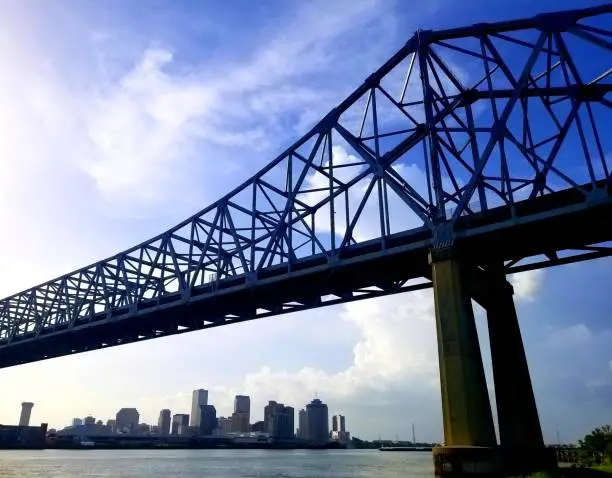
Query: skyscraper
point(279, 420)
point(338, 423)
point(163, 423)
point(339, 432)
point(317, 421)
point(302, 431)
point(198, 398)
point(180, 423)
point(127, 420)
point(208, 422)
point(241, 418)
point(242, 404)
point(26, 412)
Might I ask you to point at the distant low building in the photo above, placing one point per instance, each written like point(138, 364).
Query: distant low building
point(23, 437)
point(111, 425)
point(341, 437)
point(90, 430)
point(224, 425)
point(258, 426)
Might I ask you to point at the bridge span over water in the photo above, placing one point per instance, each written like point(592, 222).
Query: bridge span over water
point(472, 153)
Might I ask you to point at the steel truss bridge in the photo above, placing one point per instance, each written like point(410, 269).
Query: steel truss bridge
point(494, 139)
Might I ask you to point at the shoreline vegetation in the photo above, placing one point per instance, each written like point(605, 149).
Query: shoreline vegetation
point(592, 458)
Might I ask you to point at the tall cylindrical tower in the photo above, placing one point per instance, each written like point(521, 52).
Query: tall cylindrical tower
point(26, 411)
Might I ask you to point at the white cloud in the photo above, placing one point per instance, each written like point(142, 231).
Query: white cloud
point(526, 284)
point(575, 335)
point(395, 355)
point(397, 335)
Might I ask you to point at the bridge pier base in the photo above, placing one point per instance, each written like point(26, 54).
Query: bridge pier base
point(520, 434)
point(470, 447)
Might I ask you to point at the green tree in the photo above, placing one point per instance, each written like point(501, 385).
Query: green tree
point(598, 441)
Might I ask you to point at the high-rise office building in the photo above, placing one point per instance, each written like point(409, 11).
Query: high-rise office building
point(338, 423)
point(242, 404)
point(163, 423)
point(77, 422)
point(302, 431)
point(198, 398)
point(89, 420)
point(241, 418)
point(339, 432)
point(317, 417)
point(279, 420)
point(180, 424)
point(208, 421)
point(26, 412)
point(127, 420)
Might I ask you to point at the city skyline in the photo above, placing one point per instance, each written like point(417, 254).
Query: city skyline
point(314, 424)
point(125, 108)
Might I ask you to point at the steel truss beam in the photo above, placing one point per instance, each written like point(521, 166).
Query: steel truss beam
point(471, 135)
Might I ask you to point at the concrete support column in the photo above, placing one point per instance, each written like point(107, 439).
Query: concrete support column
point(519, 425)
point(470, 445)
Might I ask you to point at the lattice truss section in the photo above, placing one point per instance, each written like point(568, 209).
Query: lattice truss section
point(456, 122)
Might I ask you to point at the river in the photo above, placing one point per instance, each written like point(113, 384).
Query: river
point(214, 464)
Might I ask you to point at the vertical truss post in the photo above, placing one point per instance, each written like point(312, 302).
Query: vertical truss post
point(432, 140)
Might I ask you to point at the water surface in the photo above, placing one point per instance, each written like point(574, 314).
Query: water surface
point(214, 464)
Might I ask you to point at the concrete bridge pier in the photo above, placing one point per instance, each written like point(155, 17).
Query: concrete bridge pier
point(520, 433)
point(470, 447)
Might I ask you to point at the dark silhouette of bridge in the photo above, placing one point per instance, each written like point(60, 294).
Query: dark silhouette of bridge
point(471, 154)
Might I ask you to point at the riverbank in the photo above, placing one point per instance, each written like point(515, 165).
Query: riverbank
point(128, 442)
point(599, 471)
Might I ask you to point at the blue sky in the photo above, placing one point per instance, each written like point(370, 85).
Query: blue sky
point(121, 120)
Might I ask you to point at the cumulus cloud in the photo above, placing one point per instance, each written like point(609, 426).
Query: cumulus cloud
point(397, 334)
point(526, 284)
point(395, 361)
